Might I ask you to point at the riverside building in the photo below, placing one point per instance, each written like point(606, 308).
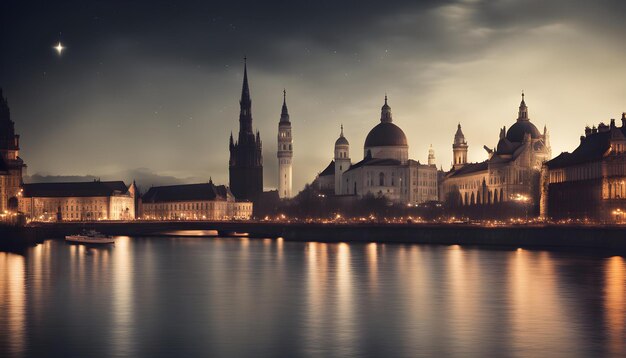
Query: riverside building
point(204, 201)
point(590, 182)
point(11, 165)
point(78, 201)
point(385, 170)
point(507, 183)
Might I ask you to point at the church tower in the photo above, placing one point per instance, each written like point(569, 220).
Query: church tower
point(431, 155)
point(9, 152)
point(342, 161)
point(459, 149)
point(246, 158)
point(285, 152)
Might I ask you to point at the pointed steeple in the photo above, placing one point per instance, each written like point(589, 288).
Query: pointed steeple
point(284, 113)
point(523, 110)
point(245, 105)
point(385, 112)
point(245, 89)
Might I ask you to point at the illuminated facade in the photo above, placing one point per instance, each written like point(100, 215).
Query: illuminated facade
point(385, 171)
point(11, 165)
point(590, 182)
point(510, 175)
point(204, 201)
point(285, 153)
point(82, 201)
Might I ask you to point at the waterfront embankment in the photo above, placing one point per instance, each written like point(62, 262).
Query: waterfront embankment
point(611, 237)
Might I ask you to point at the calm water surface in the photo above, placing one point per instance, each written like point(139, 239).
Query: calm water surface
point(206, 297)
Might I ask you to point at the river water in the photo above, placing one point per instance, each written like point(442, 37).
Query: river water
point(239, 297)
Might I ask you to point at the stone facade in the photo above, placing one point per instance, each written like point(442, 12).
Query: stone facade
point(193, 202)
point(83, 201)
point(590, 182)
point(385, 171)
point(510, 174)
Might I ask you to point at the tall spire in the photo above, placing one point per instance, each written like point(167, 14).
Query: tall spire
point(245, 89)
point(284, 114)
point(245, 105)
point(341, 134)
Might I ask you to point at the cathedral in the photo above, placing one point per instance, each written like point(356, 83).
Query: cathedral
point(11, 165)
point(246, 158)
point(510, 175)
point(385, 170)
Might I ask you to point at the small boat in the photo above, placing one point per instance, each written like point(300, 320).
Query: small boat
point(90, 237)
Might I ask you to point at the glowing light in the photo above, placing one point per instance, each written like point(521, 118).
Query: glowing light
point(59, 48)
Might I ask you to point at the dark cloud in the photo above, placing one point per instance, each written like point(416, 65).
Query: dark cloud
point(155, 84)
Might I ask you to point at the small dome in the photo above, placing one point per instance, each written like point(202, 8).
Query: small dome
point(459, 138)
point(519, 129)
point(341, 141)
point(385, 134)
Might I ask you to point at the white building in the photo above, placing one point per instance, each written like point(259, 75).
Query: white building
point(285, 153)
point(385, 170)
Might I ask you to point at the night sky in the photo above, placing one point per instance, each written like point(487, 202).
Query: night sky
point(149, 89)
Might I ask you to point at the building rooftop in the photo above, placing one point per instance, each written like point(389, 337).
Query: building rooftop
point(330, 169)
point(75, 189)
point(592, 148)
point(369, 161)
point(187, 192)
point(468, 169)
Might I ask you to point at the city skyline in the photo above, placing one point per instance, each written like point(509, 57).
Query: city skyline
point(174, 113)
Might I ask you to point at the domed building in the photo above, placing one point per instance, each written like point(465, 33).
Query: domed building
point(510, 173)
point(385, 170)
point(386, 140)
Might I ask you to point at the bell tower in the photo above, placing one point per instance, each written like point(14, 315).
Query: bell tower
point(459, 149)
point(342, 161)
point(285, 152)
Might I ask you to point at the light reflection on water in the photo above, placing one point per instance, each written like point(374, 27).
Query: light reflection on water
point(163, 297)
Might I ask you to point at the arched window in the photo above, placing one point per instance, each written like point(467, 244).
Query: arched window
point(381, 179)
point(393, 179)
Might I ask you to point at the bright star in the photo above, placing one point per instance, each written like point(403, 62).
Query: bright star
point(59, 48)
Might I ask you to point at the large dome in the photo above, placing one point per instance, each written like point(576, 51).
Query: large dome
point(519, 129)
point(385, 134)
